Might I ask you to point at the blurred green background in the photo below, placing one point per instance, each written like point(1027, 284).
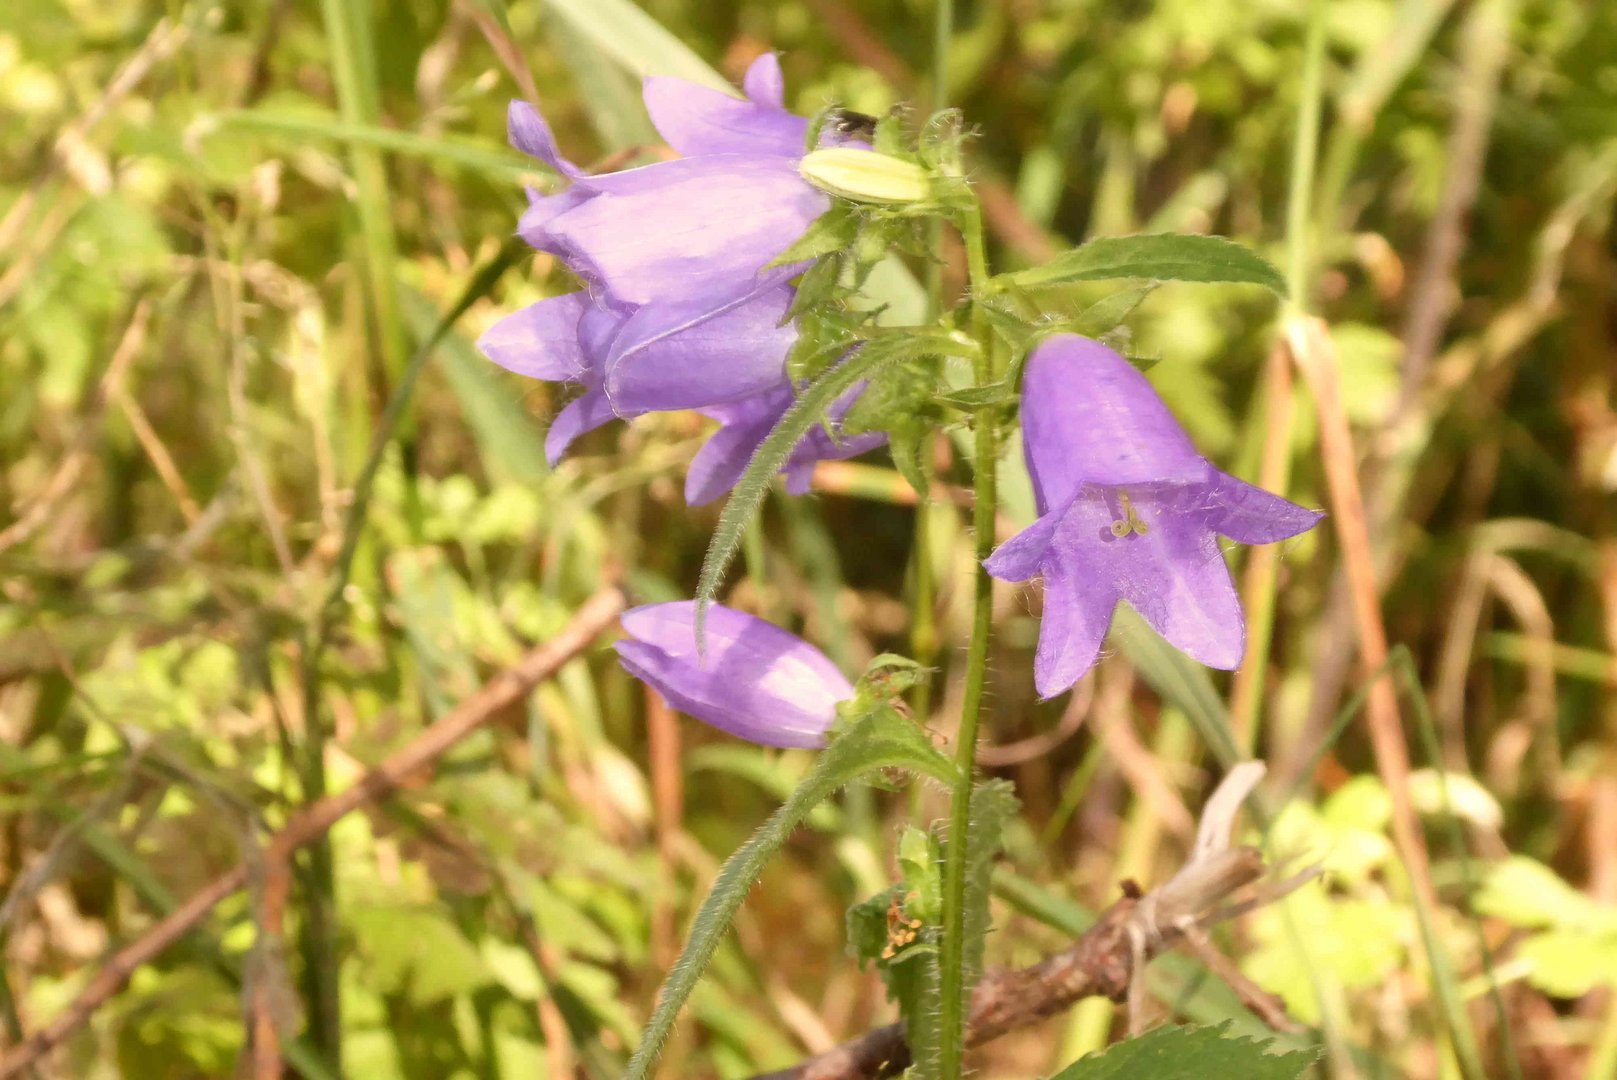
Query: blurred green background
point(226, 228)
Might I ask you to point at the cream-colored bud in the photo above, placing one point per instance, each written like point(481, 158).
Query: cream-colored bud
point(865, 176)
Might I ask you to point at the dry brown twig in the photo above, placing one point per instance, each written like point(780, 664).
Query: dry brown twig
point(1109, 959)
point(504, 690)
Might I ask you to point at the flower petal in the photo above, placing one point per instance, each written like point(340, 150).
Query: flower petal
point(742, 426)
point(693, 354)
point(1089, 417)
point(1023, 555)
point(1077, 613)
point(697, 120)
point(752, 678)
point(583, 414)
point(529, 133)
point(1174, 575)
point(540, 341)
point(697, 227)
point(1252, 515)
point(764, 82)
point(534, 224)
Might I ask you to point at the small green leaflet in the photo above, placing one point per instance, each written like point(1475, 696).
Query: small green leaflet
point(1189, 1053)
point(1160, 257)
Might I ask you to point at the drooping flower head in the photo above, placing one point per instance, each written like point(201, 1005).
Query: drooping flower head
point(1128, 510)
point(751, 678)
point(681, 308)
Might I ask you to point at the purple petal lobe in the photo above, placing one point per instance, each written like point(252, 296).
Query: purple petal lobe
point(1089, 417)
point(691, 355)
point(534, 224)
point(696, 120)
point(742, 426)
point(1022, 556)
point(1251, 515)
point(529, 133)
point(1168, 566)
point(583, 414)
point(540, 341)
point(1077, 613)
point(752, 679)
point(764, 83)
point(698, 227)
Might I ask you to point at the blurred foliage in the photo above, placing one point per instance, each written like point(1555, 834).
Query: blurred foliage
point(205, 292)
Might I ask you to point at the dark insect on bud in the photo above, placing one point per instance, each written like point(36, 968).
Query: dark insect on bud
point(850, 124)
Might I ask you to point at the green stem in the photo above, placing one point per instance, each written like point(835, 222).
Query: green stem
point(1304, 156)
point(953, 992)
point(923, 616)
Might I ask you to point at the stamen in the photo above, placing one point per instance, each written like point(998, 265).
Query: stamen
point(1130, 522)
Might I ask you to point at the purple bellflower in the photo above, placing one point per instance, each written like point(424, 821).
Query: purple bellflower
point(680, 309)
point(752, 679)
point(1128, 510)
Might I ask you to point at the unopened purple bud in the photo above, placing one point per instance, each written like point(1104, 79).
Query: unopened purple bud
point(750, 678)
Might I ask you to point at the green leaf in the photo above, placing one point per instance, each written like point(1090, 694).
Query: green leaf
point(1189, 1053)
point(993, 806)
point(1107, 314)
point(771, 455)
point(977, 398)
point(881, 740)
point(1526, 893)
point(835, 230)
point(301, 125)
point(636, 40)
point(1162, 257)
point(1569, 963)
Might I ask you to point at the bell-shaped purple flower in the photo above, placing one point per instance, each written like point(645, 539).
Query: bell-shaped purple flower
point(1128, 510)
point(681, 309)
point(751, 678)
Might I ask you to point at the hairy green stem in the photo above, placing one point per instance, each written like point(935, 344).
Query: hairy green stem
point(953, 992)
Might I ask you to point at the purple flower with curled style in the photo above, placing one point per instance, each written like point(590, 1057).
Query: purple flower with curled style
point(1128, 510)
point(681, 308)
point(750, 678)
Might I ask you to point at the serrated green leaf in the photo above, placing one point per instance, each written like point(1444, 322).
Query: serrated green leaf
point(771, 455)
point(1189, 1053)
point(993, 806)
point(881, 740)
point(1160, 257)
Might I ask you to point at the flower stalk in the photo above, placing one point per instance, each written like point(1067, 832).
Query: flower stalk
point(953, 993)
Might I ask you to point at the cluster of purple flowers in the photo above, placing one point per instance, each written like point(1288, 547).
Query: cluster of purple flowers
point(682, 308)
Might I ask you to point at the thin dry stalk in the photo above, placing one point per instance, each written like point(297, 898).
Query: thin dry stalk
point(501, 692)
point(668, 800)
point(1313, 352)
